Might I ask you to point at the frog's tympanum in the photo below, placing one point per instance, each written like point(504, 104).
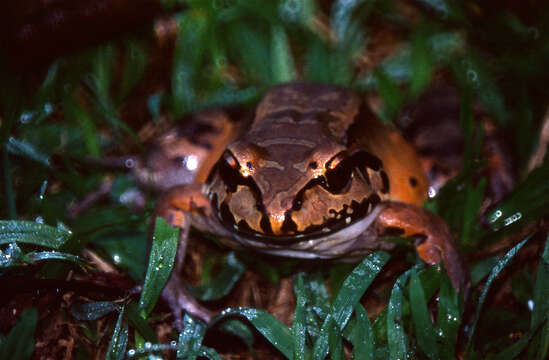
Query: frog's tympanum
point(315, 176)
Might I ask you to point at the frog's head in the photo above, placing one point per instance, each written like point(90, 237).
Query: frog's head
point(291, 177)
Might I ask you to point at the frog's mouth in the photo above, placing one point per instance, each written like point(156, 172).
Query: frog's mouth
point(336, 222)
point(338, 243)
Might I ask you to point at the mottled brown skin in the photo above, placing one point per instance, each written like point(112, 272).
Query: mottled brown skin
point(315, 176)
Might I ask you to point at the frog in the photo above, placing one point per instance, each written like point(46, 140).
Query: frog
point(315, 175)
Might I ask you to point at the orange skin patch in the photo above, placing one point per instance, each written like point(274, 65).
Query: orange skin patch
point(407, 179)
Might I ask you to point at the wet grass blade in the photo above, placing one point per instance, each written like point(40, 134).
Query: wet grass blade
point(135, 319)
point(362, 335)
point(335, 342)
point(299, 323)
point(350, 293)
point(528, 201)
point(19, 343)
point(269, 326)
point(424, 330)
point(164, 247)
point(190, 339)
point(8, 185)
point(28, 150)
point(493, 274)
point(220, 286)
point(119, 339)
point(93, 310)
point(396, 337)
point(32, 233)
point(541, 289)
point(448, 317)
point(541, 302)
point(33, 257)
point(209, 353)
point(355, 285)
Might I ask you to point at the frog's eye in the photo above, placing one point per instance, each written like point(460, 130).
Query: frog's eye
point(229, 160)
point(228, 168)
point(338, 172)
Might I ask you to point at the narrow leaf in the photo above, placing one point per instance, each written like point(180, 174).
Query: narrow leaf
point(298, 325)
point(119, 340)
point(33, 257)
point(19, 344)
point(424, 330)
point(28, 150)
point(220, 286)
point(269, 326)
point(396, 336)
point(93, 310)
point(138, 323)
point(32, 233)
point(493, 274)
point(350, 293)
point(164, 247)
point(190, 339)
point(355, 285)
point(282, 61)
point(449, 317)
point(362, 335)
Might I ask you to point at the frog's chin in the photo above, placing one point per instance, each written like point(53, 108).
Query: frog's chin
point(326, 245)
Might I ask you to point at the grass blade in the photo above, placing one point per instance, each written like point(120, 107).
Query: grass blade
point(135, 319)
point(30, 232)
point(355, 285)
point(209, 353)
point(282, 61)
point(33, 257)
point(164, 247)
point(119, 340)
point(93, 310)
point(495, 271)
point(19, 344)
point(270, 327)
point(335, 343)
point(28, 150)
point(541, 289)
point(352, 290)
point(222, 284)
point(190, 339)
point(541, 304)
point(298, 325)
point(424, 330)
point(448, 317)
point(396, 337)
point(363, 336)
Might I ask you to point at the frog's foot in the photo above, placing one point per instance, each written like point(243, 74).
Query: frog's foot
point(434, 241)
point(180, 300)
point(177, 207)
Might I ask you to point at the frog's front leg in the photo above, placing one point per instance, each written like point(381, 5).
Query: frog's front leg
point(433, 240)
point(181, 207)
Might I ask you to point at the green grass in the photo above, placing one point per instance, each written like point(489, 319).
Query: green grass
point(75, 112)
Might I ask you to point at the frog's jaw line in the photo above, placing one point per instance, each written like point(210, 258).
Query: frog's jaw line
point(331, 246)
